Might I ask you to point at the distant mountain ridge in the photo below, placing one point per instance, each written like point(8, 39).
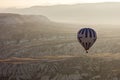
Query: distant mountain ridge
point(89, 13)
point(10, 18)
point(27, 26)
point(22, 32)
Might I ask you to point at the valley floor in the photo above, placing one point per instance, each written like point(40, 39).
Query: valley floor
point(82, 67)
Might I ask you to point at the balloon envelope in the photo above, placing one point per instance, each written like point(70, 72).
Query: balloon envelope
point(86, 37)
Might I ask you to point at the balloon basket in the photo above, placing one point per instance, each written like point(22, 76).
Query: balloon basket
point(86, 51)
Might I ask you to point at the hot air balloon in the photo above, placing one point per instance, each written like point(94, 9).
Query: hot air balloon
point(86, 37)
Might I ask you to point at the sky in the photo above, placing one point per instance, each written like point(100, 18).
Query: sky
point(28, 3)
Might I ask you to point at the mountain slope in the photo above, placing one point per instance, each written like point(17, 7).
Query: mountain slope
point(15, 24)
point(20, 34)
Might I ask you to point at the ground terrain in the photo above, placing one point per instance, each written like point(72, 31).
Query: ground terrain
point(33, 47)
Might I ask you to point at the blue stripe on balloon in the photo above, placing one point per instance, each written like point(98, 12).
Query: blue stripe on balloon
point(86, 32)
point(90, 33)
point(86, 45)
point(83, 31)
point(83, 44)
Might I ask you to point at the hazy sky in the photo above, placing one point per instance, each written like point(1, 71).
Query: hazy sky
point(28, 3)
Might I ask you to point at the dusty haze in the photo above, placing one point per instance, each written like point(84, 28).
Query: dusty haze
point(94, 13)
point(40, 43)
